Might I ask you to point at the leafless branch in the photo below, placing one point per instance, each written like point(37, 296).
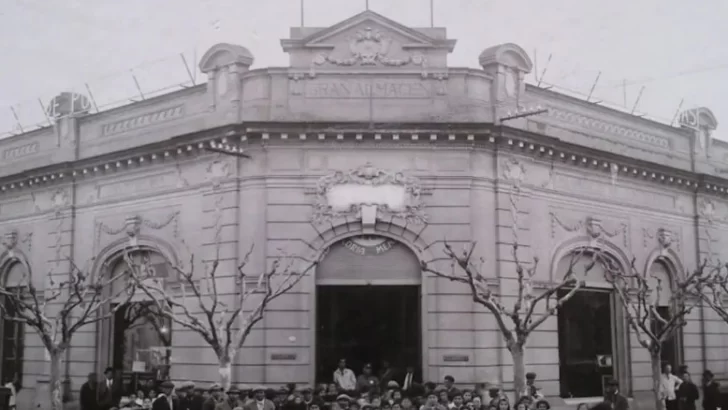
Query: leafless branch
point(60, 308)
point(224, 326)
point(715, 290)
point(522, 315)
point(641, 297)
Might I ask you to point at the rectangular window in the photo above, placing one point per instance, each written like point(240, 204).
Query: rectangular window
point(12, 346)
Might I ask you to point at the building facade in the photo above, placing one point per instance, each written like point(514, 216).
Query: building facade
point(370, 149)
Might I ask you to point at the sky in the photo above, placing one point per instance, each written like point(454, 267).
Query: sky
point(672, 48)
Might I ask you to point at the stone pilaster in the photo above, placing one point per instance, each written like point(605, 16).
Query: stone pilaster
point(59, 265)
point(513, 204)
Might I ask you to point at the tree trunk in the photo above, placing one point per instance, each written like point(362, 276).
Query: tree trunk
point(656, 375)
point(519, 370)
point(54, 385)
point(225, 371)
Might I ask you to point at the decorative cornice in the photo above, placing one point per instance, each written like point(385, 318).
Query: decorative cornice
point(485, 138)
point(607, 127)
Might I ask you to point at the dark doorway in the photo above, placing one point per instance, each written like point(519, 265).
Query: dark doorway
point(586, 359)
point(367, 324)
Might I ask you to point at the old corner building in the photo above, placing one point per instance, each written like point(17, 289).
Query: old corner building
point(369, 146)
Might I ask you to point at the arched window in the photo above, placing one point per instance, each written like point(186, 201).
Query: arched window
point(140, 338)
point(660, 275)
point(13, 332)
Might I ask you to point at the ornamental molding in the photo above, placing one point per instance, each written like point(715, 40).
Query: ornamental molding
point(592, 227)
point(607, 127)
point(706, 209)
point(514, 171)
point(142, 121)
point(410, 207)
point(369, 48)
point(13, 240)
point(133, 225)
point(666, 238)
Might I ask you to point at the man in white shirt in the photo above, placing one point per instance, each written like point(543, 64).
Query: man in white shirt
point(669, 384)
point(344, 378)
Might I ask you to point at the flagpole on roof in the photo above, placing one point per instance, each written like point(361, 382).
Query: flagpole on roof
point(432, 13)
point(302, 14)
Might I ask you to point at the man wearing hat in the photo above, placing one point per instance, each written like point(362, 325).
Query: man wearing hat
point(164, 401)
point(215, 397)
point(309, 398)
point(184, 395)
point(197, 398)
point(259, 401)
point(613, 397)
point(232, 401)
point(343, 400)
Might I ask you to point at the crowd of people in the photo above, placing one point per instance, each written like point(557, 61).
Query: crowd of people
point(388, 390)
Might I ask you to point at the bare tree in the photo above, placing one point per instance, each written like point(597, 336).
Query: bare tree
point(715, 291)
point(641, 295)
point(58, 310)
point(223, 324)
point(517, 322)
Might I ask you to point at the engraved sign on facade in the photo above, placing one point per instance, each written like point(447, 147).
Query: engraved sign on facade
point(361, 88)
point(142, 121)
point(283, 356)
point(136, 186)
point(21, 151)
point(356, 192)
point(369, 245)
point(450, 358)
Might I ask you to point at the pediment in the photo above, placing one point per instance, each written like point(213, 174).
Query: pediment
point(370, 40)
point(354, 26)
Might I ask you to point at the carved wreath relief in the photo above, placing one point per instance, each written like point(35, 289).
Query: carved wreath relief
point(514, 171)
point(410, 208)
point(367, 48)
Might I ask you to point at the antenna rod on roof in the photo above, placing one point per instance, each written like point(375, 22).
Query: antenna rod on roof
point(596, 80)
point(677, 112)
point(367, 5)
point(637, 101)
point(543, 73)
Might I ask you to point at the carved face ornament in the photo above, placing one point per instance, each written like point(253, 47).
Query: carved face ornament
point(133, 226)
point(10, 240)
point(593, 227)
point(664, 237)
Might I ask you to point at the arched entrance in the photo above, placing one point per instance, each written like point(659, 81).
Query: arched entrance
point(368, 306)
point(591, 333)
